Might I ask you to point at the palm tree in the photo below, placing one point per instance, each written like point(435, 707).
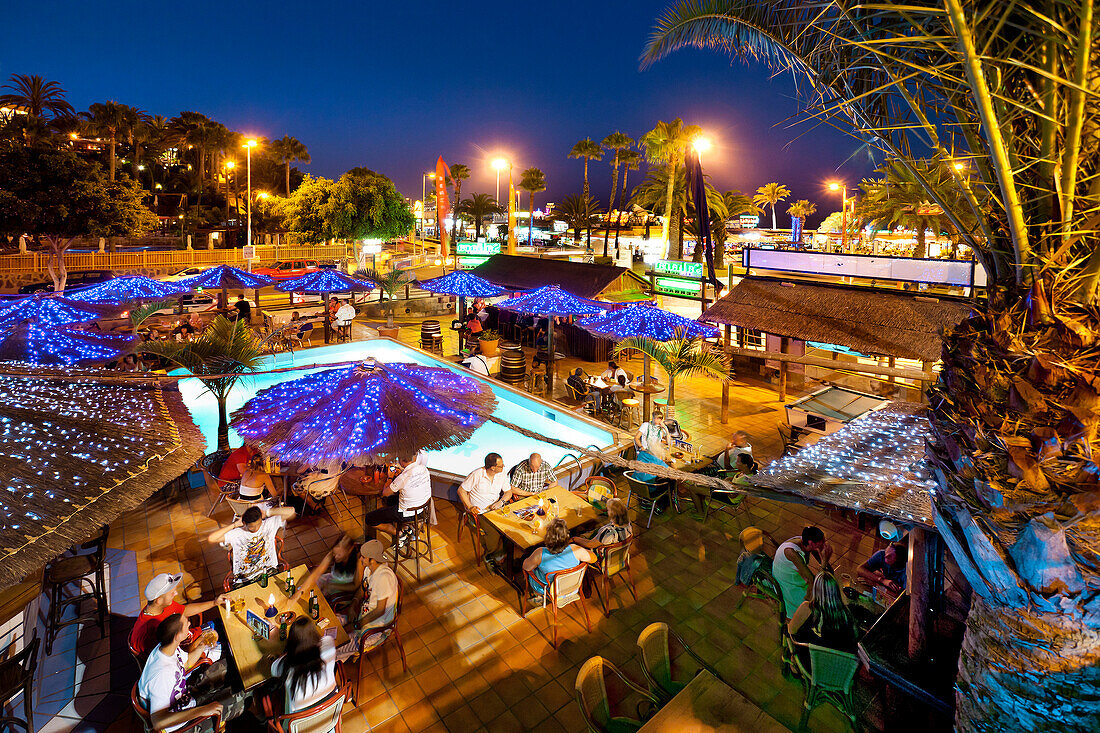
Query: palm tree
point(736, 204)
point(532, 180)
point(478, 207)
point(579, 212)
point(652, 194)
point(459, 173)
point(615, 143)
point(629, 160)
point(679, 357)
point(219, 357)
point(287, 150)
point(390, 285)
point(36, 95)
point(665, 144)
point(196, 131)
point(588, 149)
point(799, 210)
point(769, 195)
point(109, 119)
point(1008, 93)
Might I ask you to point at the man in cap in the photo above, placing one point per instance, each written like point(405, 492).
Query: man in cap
point(379, 601)
point(160, 603)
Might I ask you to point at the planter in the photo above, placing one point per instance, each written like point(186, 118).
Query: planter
point(389, 331)
point(489, 347)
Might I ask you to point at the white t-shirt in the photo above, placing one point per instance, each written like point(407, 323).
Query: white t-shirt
point(612, 377)
point(345, 314)
point(477, 364)
point(163, 679)
point(316, 689)
point(254, 551)
point(485, 489)
point(413, 487)
point(383, 590)
point(650, 437)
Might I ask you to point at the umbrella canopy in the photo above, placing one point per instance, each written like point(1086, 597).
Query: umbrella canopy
point(646, 320)
point(53, 310)
point(364, 414)
point(127, 289)
point(34, 344)
point(462, 284)
point(551, 300)
point(224, 276)
point(323, 282)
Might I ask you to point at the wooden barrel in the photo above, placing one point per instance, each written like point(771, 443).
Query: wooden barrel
point(513, 365)
point(430, 333)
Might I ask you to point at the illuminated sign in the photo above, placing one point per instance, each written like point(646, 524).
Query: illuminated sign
point(483, 249)
point(676, 268)
point(469, 263)
point(676, 286)
point(749, 221)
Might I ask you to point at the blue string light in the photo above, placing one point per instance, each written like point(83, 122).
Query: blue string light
point(325, 281)
point(224, 276)
point(49, 311)
point(32, 344)
point(119, 290)
point(463, 284)
point(646, 320)
point(551, 300)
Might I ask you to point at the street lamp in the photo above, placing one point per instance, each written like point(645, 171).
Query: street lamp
point(248, 238)
point(701, 144)
point(424, 197)
point(498, 165)
point(834, 186)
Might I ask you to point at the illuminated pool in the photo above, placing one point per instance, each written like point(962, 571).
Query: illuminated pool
point(490, 437)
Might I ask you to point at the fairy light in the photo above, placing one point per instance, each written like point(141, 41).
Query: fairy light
point(38, 346)
point(225, 276)
point(551, 300)
point(646, 320)
point(119, 290)
point(325, 281)
point(47, 311)
point(462, 284)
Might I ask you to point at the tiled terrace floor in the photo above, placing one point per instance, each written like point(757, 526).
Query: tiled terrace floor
point(474, 664)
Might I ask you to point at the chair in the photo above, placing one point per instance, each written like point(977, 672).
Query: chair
point(17, 675)
point(240, 506)
point(65, 571)
point(303, 336)
point(323, 716)
point(389, 631)
point(13, 725)
point(208, 724)
point(595, 703)
point(418, 546)
point(653, 644)
point(728, 500)
point(786, 435)
point(629, 412)
point(829, 679)
point(648, 492)
point(606, 485)
point(229, 583)
point(588, 400)
point(466, 519)
point(562, 588)
point(611, 561)
point(211, 465)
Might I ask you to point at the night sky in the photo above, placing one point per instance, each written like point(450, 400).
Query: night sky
point(392, 86)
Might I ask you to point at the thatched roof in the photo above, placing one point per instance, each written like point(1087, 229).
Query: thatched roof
point(518, 272)
point(874, 464)
point(77, 452)
point(869, 321)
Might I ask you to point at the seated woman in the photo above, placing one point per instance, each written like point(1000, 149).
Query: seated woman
point(308, 667)
point(824, 620)
point(557, 554)
point(255, 483)
point(616, 530)
point(347, 568)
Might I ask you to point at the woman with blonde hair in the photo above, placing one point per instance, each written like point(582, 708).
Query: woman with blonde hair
point(616, 530)
point(824, 620)
point(559, 553)
point(255, 482)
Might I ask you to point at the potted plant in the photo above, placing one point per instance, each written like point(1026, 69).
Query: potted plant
point(391, 285)
point(490, 343)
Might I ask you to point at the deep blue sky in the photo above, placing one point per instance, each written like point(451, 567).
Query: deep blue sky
point(392, 86)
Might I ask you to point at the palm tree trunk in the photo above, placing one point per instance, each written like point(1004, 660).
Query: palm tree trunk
point(111, 157)
point(530, 216)
point(668, 204)
point(774, 226)
point(223, 425)
point(611, 203)
point(288, 179)
point(922, 245)
point(454, 215)
point(586, 178)
point(671, 390)
point(619, 218)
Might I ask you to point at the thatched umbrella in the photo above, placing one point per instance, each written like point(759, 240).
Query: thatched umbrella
point(127, 289)
point(464, 285)
point(364, 414)
point(224, 277)
point(552, 301)
point(325, 283)
point(52, 310)
point(76, 451)
point(34, 344)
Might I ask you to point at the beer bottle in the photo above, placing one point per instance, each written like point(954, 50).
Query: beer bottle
point(263, 579)
point(314, 606)
point(283, 631)
point(289, 584)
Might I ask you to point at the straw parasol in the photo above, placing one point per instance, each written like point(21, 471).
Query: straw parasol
point(76, 451)
point(50, 310)
point(324, 283)
point(224, 277)
point(34, 344)
point(127, 289)
point(464, 285)
point(364, 414)
point(551, 301)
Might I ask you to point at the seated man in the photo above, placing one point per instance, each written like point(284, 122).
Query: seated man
point(236, 463)
point(164, 687)
point(344, 316)
point(580, 388)
point(791, 569)
point(410, 489)
point(477, 363)
point(484, 490)
point(532, 475)
point(251, 540)
point(886, 568)
point(379, 602)
point(160, 596)
point(613, 372)
point(620, 390)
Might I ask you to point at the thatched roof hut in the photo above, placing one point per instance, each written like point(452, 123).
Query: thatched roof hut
point(76, 450)
point(873, 322)
point(520, 272)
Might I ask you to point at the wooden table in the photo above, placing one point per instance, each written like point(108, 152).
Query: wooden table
point(360, 482)
point(249, 653)
point(646, 390)
point(707, 705)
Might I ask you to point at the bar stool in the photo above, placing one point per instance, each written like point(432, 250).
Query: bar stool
point(661, 405)
point(629, 412)
point(411, 545)
point(62, 573)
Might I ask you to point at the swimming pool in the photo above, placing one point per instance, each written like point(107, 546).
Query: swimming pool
point(512, 406)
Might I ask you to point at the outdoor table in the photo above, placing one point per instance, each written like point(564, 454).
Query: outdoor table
point(689, 464)
point(646, 390)
point(519, 533)
point(360, 482)
point(707, 705)
point(248, 652)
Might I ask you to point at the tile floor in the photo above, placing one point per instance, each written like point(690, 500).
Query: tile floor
point(474, 663)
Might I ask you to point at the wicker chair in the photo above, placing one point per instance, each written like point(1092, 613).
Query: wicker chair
point(470, 521)
point(562, 588)
point(240, 506)
point(390, 632)
point(17, 675)
point(323, 716)
point(830, 679)
point(596, 704)
point(653, 644)
point(218, 488)
point(208, 724)
point(613, 560)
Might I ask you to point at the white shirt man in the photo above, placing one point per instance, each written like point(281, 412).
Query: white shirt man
point(163, 681)
point(379, 607)
point(652, 436)
point(611, 374)
point(486, 488)
point(251, 540)
point(345, 314)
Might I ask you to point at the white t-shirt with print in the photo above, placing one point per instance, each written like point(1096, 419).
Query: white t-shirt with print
point(313, 690)
point(163, 680)
point(383, 590)
point(254, 551)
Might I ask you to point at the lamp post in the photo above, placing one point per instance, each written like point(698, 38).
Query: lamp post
point(498, 164)
point(424, 197)
point(834, 186)
point(248, 148)
point(511, 212)
point(229, 166)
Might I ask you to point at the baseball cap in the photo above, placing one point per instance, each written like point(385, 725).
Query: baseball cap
point(372, 550)
point(161, 584)
point(752, 539)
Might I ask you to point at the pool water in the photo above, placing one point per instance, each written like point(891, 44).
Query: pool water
point(459, 460)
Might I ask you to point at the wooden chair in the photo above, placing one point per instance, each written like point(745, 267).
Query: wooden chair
point(240, 506)
point(648, 492)
point(419, 546)
point(471, 522)
point(562, 588)
point(208, 724)
point(324, 716)
point(66, 581)
point(829, 679)
point(228, 584)
point(596, 704)
point(653, 644)
point(17, 675)
point(613, 560)
point(390, 632)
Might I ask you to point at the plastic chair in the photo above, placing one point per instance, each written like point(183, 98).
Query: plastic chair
point(17, 675)
point(208, 724)
point(389, 631)
point(647, 492)
point(606, 486)
point(726, 499)
point(613, 560)
point(829, 679)
point(323, 716)
point(653, 643)
point(62, 573)
point(417, 547)
point(562, 588)
point(595, 703)
point(786, 436)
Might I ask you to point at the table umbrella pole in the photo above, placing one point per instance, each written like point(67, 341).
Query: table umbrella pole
point(324, 304)
point(645, 383)
point(549, 357)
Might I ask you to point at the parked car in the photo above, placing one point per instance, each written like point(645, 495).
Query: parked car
point(288, 269)
point(74, 280)
point(184, 273)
